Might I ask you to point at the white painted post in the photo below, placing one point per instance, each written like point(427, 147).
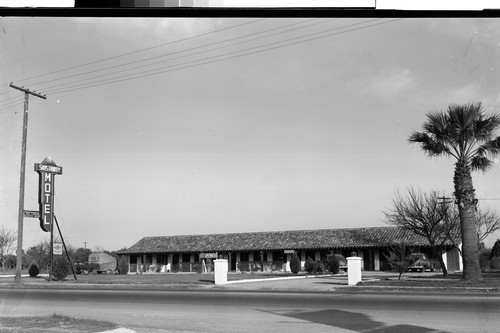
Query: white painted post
point(170, 260)
point(139, 264)
point(220, 271)
point(376, 259)
point(353, 270)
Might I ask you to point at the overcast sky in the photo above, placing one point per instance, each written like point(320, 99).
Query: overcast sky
point(192, 126)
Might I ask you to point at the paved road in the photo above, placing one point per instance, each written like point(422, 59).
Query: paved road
point(246, 311)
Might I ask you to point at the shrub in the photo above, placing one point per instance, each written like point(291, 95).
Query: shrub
point(319, 267)
point(495, 251)
point(61, 268)
point(484, 260)
point(399, 258)
point(309, 265)
point(295, 264)
point(33, 270)
point(333, 264)
point(123, 265)
point(495, 263)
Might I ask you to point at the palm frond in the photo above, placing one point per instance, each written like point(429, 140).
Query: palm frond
point(491, 148)
point(486, 126)
point(463, 120)
point(437, 125)
point(481, 163)
point(429, 145)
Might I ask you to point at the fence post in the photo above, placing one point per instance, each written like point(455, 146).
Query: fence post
point(220, 271)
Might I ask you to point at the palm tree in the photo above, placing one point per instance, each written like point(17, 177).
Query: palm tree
point(465, 133)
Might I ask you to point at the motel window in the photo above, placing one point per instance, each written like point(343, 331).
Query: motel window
point(161, 259)
point(278, 256)
point(148, 259)
point(258, 256)
point(133, 259)
point(311, 254)
point(186, 257)
point(244, 256)
point(175, 258)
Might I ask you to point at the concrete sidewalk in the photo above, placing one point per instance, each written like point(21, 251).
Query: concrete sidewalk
point(316, 283)
point(300, 283)
point(303, 284)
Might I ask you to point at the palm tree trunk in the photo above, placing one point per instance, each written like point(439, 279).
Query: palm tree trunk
point(464, 193)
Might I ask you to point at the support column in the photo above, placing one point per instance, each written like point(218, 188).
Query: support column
point(238, 259)
point(460, 259)
point(170, 259)
point(139, 264)
point(302, 259)
point(445, 259)
point(376, 259)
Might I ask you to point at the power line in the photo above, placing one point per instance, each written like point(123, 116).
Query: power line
point(172, 59)
point(230, 55)
point(141, 50)
point(183, 51)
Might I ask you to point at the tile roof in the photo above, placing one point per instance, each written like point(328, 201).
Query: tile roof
point(279, 240)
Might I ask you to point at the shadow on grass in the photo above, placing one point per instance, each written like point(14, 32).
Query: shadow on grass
point(357, 322)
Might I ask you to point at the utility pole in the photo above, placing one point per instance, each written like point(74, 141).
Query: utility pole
point(19, 255)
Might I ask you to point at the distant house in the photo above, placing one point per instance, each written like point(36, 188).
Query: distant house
point(271, 251)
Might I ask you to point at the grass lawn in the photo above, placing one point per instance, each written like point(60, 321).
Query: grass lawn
point(144, 280)
point(192, 280)
point(54, 323)
point(491, 280)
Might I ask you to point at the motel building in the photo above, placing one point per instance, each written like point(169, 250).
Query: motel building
point(272, 251)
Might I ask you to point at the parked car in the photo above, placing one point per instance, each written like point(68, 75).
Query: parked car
point(420, 263)
point(81, 268)
point(342, 262)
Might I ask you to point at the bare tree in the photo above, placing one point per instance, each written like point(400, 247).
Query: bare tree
point(426, 215)
point(488, 222)
point(7, 239)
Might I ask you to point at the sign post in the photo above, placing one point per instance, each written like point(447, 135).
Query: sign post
point(47, 171)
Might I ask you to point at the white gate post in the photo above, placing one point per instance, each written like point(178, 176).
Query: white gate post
point(353, 270)
point(220, 271)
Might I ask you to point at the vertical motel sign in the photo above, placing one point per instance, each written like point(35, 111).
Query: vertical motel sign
point(46, 171)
